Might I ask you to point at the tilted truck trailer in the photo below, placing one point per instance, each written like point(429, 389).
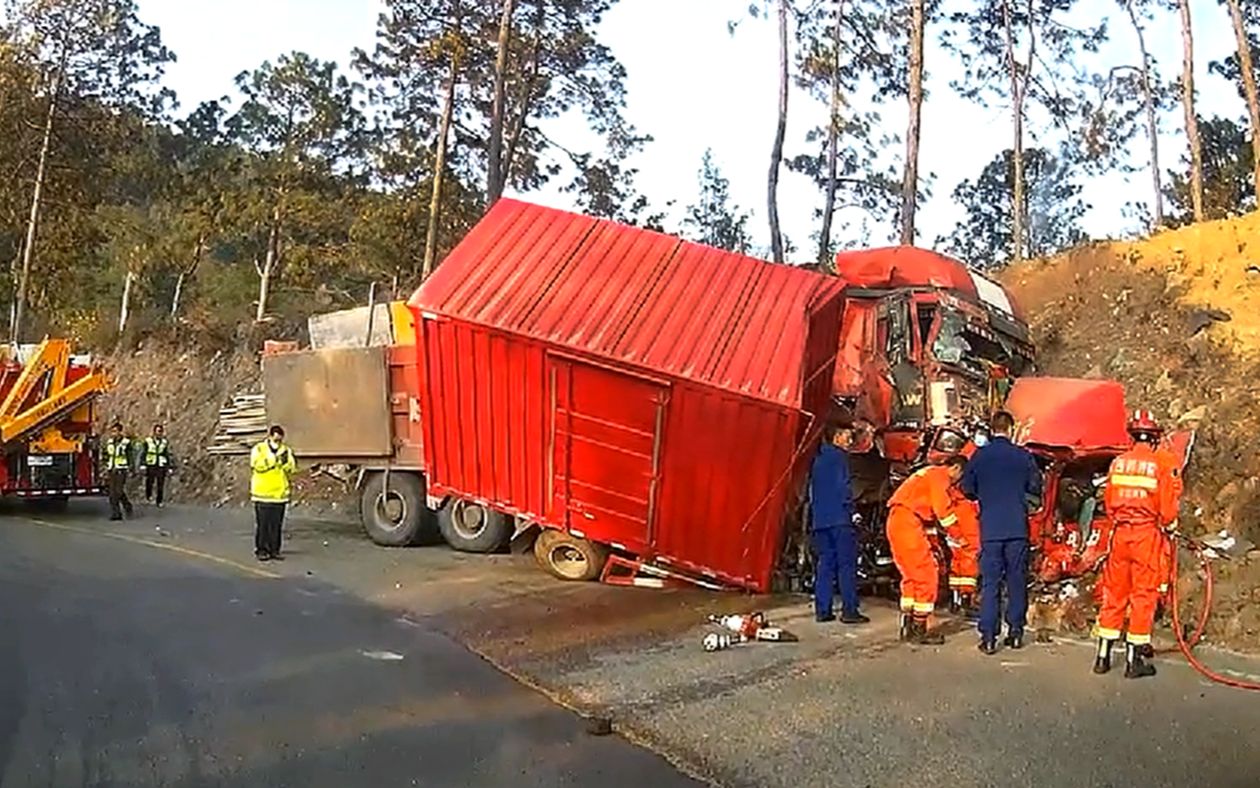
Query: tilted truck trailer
point(47, 417)
point(642, 403)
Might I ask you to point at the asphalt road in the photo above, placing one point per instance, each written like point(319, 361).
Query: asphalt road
point(121, 664)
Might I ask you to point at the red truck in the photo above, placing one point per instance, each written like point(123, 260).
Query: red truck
point(643, 404)
point(928, 349)
point(487, 415)
point(47, 401)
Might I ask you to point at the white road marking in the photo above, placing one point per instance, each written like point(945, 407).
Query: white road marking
point(383, 656)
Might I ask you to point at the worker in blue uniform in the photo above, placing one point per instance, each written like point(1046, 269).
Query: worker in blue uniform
point(832, 527)
point(1002, 477)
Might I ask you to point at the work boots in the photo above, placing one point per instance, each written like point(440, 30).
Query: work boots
point(1102, 661)
point(905, 628)
point(922, 636)
point(1135, 664)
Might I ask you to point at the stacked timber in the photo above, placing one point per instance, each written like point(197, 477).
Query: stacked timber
point(242, 424)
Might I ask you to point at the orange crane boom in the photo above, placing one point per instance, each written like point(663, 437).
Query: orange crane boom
point(42, 395)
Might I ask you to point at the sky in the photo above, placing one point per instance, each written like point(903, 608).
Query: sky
point(692, 85)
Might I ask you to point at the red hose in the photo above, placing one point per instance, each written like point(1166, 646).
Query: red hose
point(1205, 613)
point(1187, 646)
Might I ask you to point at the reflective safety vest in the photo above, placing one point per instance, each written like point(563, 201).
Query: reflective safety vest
point(1143, 487)
point(118, 454)
point(271, 469)
point(157, 452)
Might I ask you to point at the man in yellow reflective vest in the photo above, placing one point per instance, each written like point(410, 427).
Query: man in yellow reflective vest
point(116, 457)
point(157, 464)
point(272, 463)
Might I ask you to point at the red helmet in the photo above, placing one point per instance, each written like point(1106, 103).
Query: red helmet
point(1143, 423)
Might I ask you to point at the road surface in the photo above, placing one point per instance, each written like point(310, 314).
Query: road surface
point(221, 693)
point(122, 664)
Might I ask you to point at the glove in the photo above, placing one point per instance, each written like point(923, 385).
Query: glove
point(955, 544)
point(857, 519)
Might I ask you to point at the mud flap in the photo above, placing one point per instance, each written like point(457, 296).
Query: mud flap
point(523, 537)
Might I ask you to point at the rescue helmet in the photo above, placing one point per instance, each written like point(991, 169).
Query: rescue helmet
point(1144, 427)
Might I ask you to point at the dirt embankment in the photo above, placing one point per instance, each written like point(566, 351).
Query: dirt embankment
point(183, 389)
point(1176, 318)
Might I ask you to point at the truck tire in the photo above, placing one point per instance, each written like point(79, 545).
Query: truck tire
point(569, 557)
point(473, 528)
point(399, 518)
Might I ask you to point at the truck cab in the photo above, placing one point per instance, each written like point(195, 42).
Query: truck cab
point(926, 345)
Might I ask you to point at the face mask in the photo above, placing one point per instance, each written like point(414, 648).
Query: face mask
point(980, 440)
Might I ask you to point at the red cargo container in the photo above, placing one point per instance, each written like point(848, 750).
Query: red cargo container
point(640, 391)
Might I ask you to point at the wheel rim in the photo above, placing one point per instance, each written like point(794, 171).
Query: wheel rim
point(391, 510)
point(469, 520)
point(568, 561)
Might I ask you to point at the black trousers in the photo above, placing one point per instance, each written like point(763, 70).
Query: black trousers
point(118, 500)
point(155, 478)
point(268, 523)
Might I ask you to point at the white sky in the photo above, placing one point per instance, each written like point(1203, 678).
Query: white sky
point(692, 85)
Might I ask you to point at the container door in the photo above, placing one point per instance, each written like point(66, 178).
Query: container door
point(605, 451)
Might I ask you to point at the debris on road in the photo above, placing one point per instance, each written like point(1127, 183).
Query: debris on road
point(744, 628)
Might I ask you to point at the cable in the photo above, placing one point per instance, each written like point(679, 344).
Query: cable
point(1187, 647)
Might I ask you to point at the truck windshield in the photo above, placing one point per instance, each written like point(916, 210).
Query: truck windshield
point(962, 344)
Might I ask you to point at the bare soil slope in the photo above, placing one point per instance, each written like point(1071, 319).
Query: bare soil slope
point(183, 389)
point(1176, 318)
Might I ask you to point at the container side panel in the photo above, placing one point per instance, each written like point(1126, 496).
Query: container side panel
point(485, 437)
point(606, 425)
point(727, 463)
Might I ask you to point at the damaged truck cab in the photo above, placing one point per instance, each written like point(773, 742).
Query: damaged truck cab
point(928, 348)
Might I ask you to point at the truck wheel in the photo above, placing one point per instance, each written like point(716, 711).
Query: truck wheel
point(569, 557)
point(473, 528)
point(397, 517)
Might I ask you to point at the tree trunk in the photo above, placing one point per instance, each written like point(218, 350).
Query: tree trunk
point(439, 167)
point(910, 185)
point(1248, 75)
point(1192, 119)
point(776, 153)
point(528, 85)
point(1018, 203)
point(270, 262)
point(833, 143)
point(28, 245)
point(125, 310)
point(495, 179)
point(184, 274)
point(1152, 125)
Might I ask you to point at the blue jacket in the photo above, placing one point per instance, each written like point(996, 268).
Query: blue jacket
point(1001, 476)
point(830, 489)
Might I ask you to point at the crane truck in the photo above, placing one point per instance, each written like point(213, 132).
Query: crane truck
point(47, 412)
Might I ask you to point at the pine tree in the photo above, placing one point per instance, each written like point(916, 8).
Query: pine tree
point(714, 219)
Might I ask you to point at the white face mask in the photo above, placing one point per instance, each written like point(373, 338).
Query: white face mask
point(980, 440)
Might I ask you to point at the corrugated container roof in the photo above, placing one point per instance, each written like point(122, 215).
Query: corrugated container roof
point(633, 295)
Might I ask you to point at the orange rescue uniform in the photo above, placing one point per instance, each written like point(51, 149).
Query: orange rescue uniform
point(918, 504)
point(964, 544)
point(1143, 488)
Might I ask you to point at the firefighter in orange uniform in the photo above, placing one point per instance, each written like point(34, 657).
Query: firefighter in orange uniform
point(922, 501)
point(1143, 487)
point(964, 545)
